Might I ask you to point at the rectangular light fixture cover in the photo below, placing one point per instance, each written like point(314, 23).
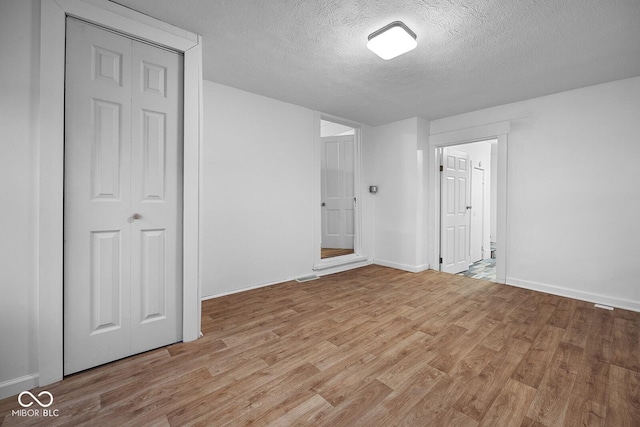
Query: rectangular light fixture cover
point(392, 40)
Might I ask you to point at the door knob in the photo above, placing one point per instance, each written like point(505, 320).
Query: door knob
point(468, 207)
point(323, 204)
point(136, 216)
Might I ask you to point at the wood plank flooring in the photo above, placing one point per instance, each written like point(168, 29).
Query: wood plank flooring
point(373, 347)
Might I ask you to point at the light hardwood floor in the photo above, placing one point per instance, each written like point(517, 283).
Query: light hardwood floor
point(374, 347)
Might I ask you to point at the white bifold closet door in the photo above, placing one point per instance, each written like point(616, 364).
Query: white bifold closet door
point(123, 197)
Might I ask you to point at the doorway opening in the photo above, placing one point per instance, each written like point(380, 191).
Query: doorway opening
point(468, 209)
point(337, 189)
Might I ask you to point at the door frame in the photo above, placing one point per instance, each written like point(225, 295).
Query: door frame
point(482, 228)
point(320, 264)
point(499, 131)
point(51, 161)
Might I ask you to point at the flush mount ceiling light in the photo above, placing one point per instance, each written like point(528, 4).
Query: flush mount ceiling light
point(392, 40)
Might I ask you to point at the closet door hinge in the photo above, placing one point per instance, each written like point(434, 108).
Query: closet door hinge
point(441, 168)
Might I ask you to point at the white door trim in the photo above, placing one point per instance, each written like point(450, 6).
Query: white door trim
point(357, 256)
point(51, 161)
point(482, 212)
point(499, 131)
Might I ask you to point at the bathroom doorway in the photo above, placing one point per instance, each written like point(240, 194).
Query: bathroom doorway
point(468, 215)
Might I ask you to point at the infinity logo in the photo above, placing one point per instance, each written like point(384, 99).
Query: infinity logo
point(26, 405)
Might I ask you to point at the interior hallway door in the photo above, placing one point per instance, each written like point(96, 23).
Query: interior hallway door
point(338, 191)
point(123, 197)
point(455, 207)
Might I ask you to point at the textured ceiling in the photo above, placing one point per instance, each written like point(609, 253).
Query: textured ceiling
point(471, 54)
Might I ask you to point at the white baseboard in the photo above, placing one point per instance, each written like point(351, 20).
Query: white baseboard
point(249, 288)
point(18, 385)
point(623, 303)
point(405, 267)
point(332, 263)
point(343, 267)
point(327, 269)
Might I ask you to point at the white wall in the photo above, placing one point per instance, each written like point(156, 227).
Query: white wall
point(422, 190)
point(257, 190)
point(368, 200)
point(573, 203)
point(19, 68)
point(398, 171)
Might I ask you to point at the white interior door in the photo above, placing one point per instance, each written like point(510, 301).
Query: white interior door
point(123, 197)
point(476, 230)
point(338, 192)
point(455, 216)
